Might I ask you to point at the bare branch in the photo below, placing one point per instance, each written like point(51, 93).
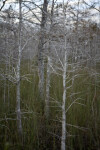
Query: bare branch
point(3, 5)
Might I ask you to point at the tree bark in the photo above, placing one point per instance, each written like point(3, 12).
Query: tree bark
point(47, 88)
point(18, 99)
point(63, 138)
point(41, 48)
point(48, 68)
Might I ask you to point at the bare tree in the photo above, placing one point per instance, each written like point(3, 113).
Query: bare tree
point(41, 47)
point(48, 64)
point(18, 76)
point(65, 66)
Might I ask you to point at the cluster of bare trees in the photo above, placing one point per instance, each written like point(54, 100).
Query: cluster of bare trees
point(61, 35)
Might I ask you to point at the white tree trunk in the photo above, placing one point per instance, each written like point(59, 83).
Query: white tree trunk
point(47, 88)
point(63, 138)
point(18, 111)
point(41, 65)
point(48, 68)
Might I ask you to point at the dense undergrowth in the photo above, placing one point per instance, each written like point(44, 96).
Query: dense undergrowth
point(82, 109)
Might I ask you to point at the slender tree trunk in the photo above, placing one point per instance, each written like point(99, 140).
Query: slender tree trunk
point(47, 88)
point(5, 81)
point(18, 110)
point(48, 68)
point(4, 97)
point(41, 48)
point(41, 66)
point(63, 138)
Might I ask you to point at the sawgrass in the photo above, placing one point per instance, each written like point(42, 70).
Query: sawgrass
point(83, 117)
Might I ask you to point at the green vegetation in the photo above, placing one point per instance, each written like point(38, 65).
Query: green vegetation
point(83, 117)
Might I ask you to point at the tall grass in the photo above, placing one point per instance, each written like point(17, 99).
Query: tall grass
point(83, 117)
